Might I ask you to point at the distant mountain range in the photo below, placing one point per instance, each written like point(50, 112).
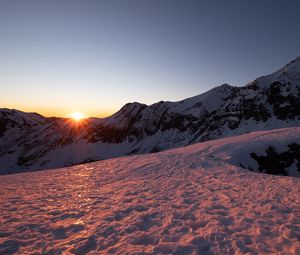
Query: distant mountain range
point(29, 141)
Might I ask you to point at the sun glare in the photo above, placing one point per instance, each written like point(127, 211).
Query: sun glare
point(77, 116)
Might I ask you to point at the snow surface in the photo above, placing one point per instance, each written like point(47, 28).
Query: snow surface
point(191, 200)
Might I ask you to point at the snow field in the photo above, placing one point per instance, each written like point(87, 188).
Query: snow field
point(191, 200)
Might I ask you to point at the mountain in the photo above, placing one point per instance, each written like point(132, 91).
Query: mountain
point(191, 200)
point(30, 141)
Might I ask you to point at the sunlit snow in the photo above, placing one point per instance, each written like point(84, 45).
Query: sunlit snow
point(191, 200)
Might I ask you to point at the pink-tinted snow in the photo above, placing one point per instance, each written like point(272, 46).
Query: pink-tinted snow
point(192, 200)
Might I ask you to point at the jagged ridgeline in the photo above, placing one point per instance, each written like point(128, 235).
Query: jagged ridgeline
point(29, 141)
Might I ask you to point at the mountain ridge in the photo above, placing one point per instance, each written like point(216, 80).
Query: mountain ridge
point(29, 141)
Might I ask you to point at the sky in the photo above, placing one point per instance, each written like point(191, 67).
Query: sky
point(93, 56)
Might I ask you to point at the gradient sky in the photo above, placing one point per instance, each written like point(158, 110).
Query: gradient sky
point(94, 56)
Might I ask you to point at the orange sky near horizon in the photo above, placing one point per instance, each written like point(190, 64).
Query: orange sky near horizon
point(63, 112)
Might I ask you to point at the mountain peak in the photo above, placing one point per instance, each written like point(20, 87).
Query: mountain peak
point(297, 58)
point(123, 117)
point(288, 74)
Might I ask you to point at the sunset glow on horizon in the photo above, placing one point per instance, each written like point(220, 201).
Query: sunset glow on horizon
point(62, 110)
point(77, 116)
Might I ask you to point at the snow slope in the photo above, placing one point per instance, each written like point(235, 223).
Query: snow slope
point(191, 200)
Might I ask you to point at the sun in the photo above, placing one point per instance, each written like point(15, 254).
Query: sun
point(77, 116)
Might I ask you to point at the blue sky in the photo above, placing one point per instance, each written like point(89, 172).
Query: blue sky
point(94, 56)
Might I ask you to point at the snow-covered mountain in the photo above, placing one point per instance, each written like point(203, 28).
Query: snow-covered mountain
point(191, 200)
point(30, 142)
